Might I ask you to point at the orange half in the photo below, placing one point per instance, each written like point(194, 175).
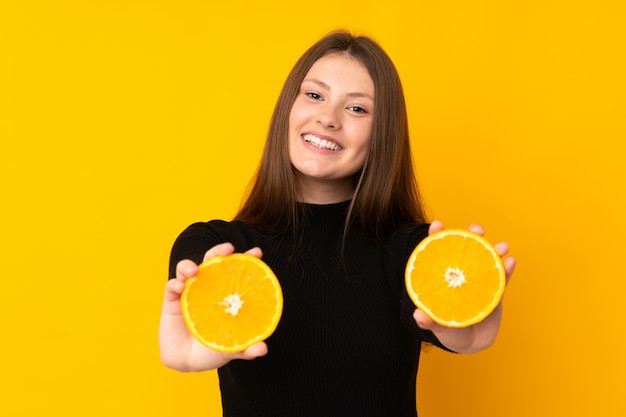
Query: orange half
point(456, 277)
point(232, 303)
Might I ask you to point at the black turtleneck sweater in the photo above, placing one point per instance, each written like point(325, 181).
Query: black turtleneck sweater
point(347, 344)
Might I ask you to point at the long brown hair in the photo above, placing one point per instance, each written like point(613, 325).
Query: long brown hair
point(386, 194)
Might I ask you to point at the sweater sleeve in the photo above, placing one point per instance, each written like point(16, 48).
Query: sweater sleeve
point(198, 238)
point(192, 244)
point(412, 236)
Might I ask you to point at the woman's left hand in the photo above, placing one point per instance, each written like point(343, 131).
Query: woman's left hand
point(480, 335)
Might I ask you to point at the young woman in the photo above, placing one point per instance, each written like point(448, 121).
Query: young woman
point(334, 210)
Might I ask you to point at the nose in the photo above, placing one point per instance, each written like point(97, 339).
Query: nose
point(328, 117)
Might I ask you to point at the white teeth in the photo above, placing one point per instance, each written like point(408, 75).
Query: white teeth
point(321, 143)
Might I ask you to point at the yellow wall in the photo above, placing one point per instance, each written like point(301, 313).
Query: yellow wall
point(123, 121)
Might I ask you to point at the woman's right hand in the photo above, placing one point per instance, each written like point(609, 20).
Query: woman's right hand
point(178, 348)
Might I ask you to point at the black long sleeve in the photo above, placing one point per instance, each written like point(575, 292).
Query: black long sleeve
point(346, 344)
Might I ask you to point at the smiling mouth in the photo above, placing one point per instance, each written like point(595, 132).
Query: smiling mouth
point(321, 143)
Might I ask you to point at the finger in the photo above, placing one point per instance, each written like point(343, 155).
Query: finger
point(435, 226)
point(509, 267)
point(254, 351)
point(502, 248)
point(256, 251)
point(423, 321)
point(173, 290)
point(186, 269)
point(223, 249)
point(476, 228)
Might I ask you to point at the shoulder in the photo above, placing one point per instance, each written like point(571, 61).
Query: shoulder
point(407, 237)
point(193, 242)
point(214, 232)
point(397, 248)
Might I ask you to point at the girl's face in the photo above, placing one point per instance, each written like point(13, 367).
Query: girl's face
point(330, 127)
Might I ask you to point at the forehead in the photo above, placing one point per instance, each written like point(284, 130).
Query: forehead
point(341, 71)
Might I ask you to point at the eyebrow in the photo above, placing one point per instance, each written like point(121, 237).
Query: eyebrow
point(327, 87)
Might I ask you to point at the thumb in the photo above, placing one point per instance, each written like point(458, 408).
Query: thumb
point(435, 226)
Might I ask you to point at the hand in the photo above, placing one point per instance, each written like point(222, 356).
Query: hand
point(481, 335)
point(179, 349)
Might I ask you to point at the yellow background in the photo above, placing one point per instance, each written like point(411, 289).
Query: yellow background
point(123, 121)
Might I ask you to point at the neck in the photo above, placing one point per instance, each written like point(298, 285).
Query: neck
point(314, 191)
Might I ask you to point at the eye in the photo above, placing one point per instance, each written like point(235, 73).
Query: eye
point(357, 109)
point(314, 96)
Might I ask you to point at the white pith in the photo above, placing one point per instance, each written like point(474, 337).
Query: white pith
point(455, 277)
point(321, 143)
point(233, 304)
